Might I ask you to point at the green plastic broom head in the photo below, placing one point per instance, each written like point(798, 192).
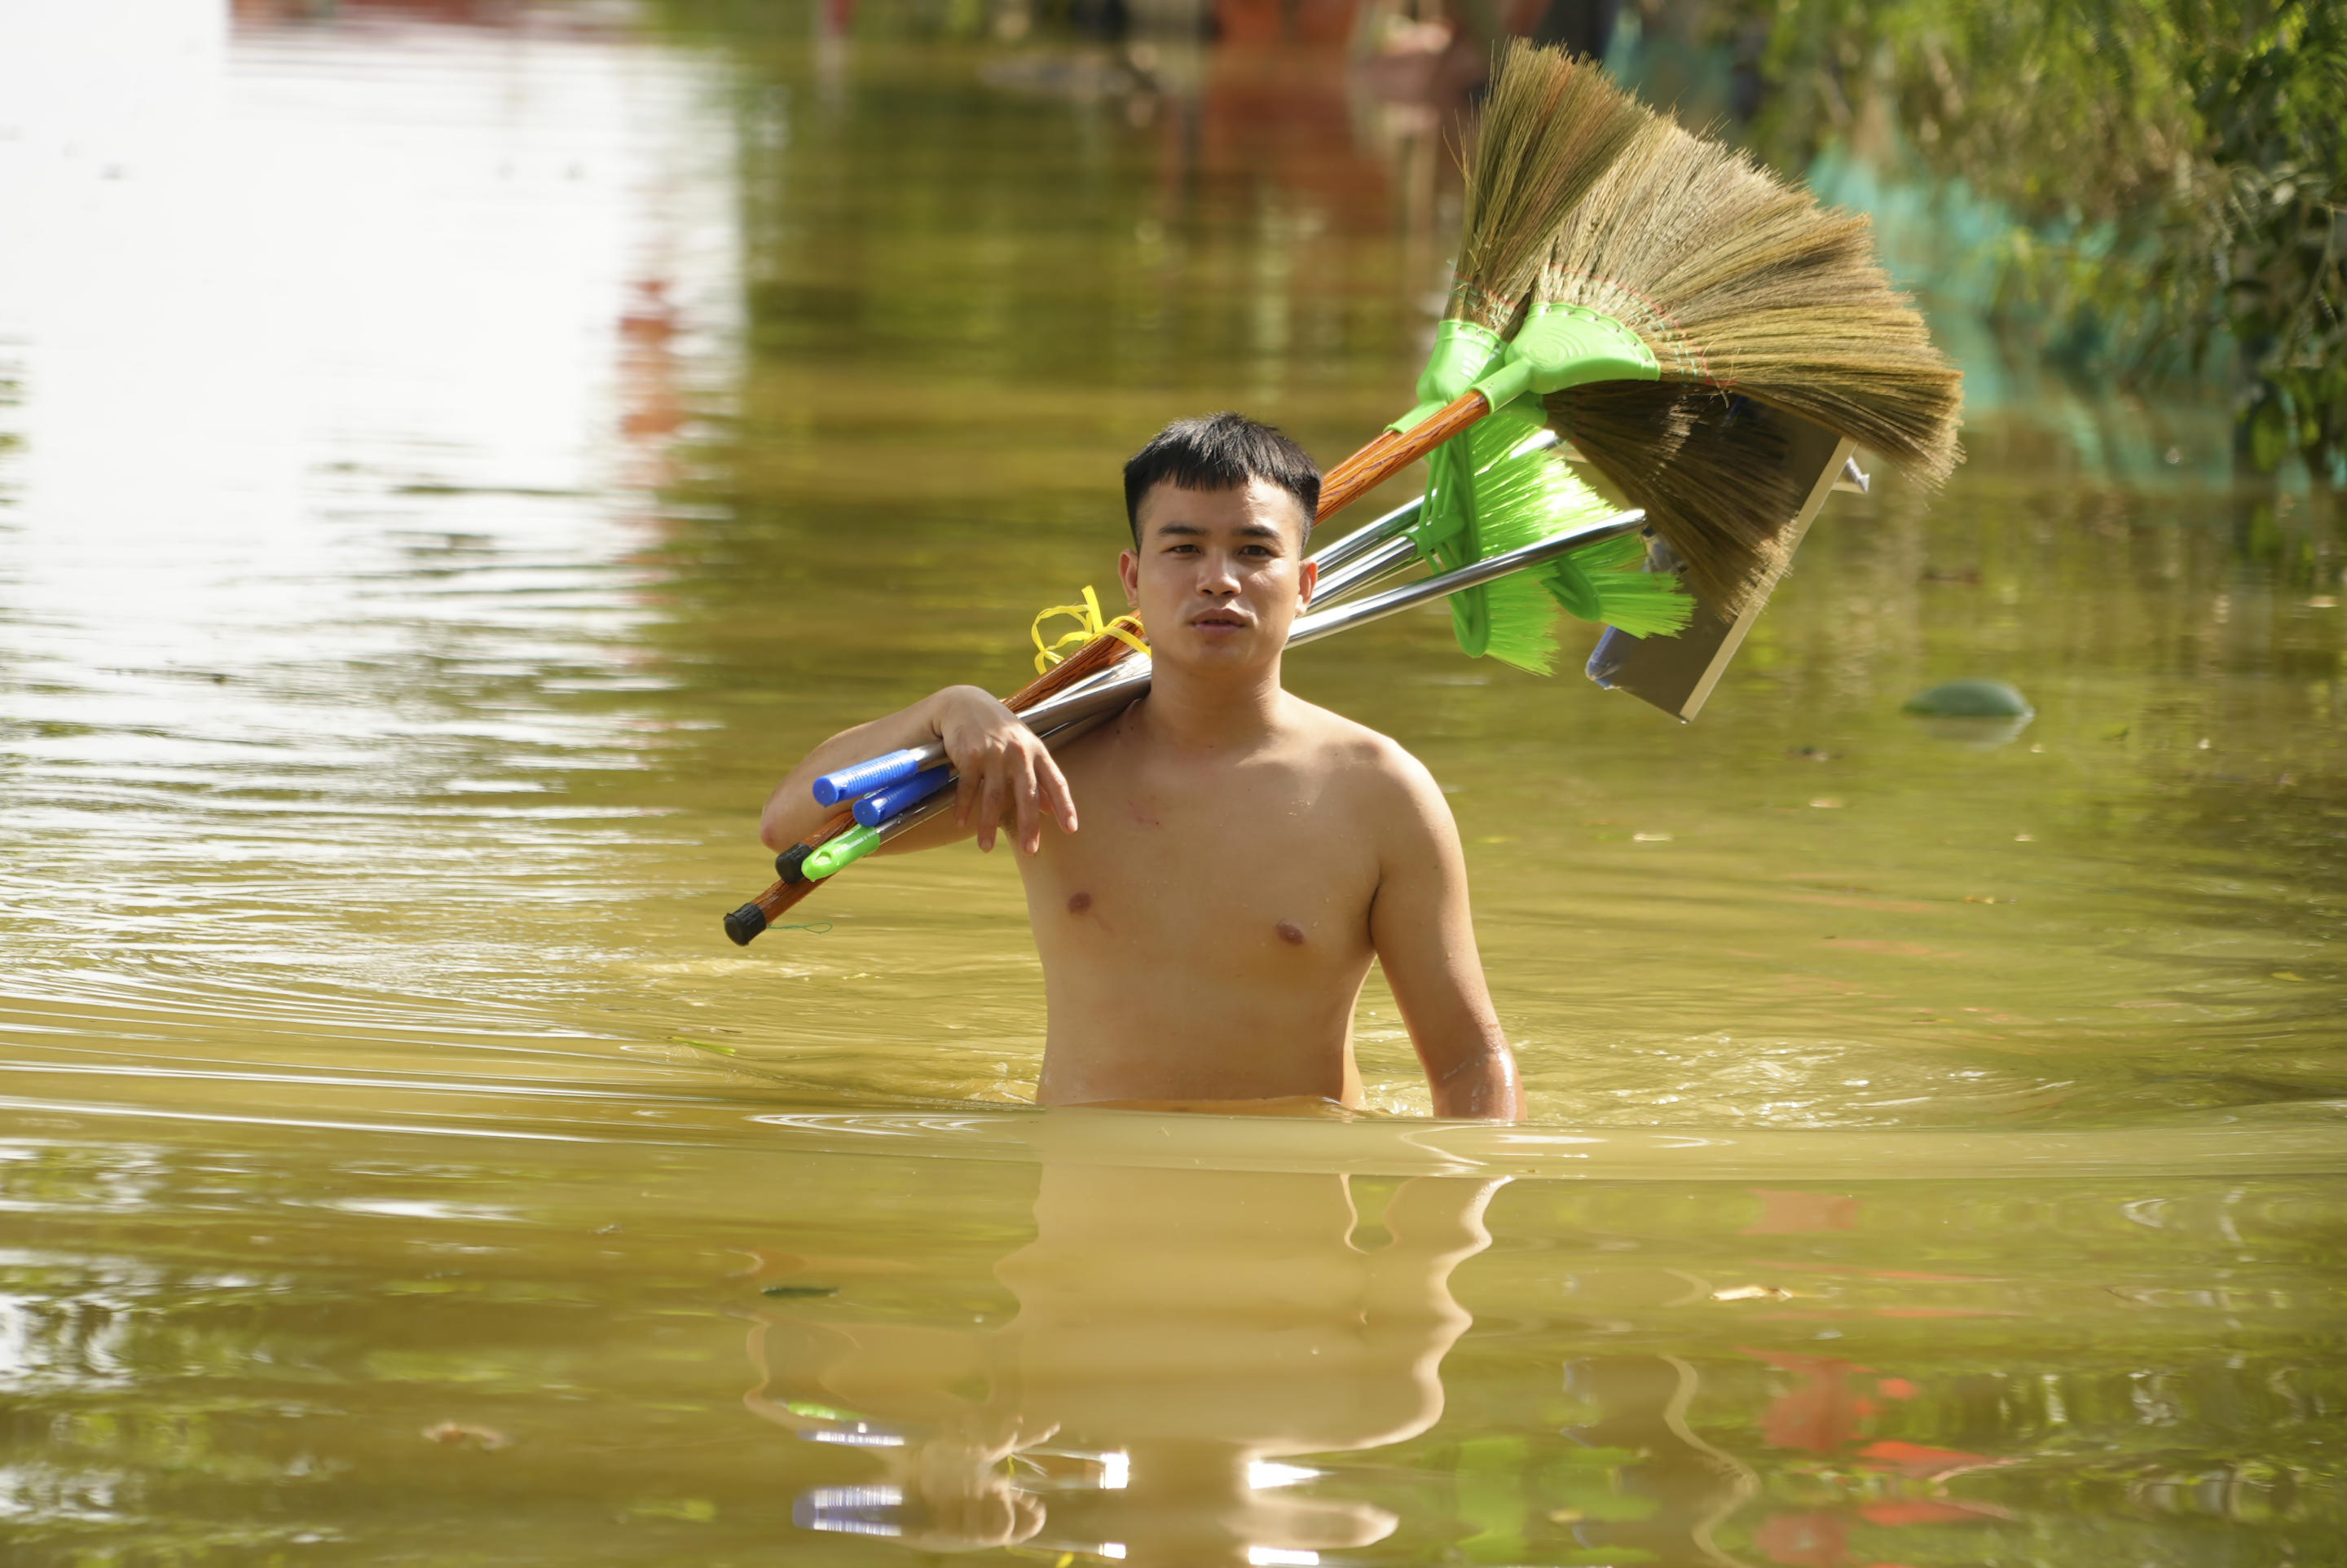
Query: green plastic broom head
point(1490, 494)
point(1558, 347)
point(1563, 346)
point(1487, 495)
point(1465, 353)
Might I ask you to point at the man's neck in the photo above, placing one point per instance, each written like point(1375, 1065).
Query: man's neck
point(1222, 711)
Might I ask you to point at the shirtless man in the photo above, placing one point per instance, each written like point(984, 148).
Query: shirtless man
point(1242, 855)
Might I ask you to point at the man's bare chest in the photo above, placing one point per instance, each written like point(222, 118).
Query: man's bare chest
point(1265, 865)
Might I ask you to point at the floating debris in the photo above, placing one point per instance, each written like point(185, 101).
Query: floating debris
point(1970, 699)
point(1978, 715)
point(453, 1433)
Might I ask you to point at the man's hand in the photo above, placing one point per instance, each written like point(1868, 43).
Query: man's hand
point(1004, 769)
point(1006, 772)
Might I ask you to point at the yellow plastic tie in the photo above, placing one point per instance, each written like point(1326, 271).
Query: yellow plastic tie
point(1125, 629)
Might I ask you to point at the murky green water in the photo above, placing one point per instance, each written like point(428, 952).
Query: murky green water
point(454, 468)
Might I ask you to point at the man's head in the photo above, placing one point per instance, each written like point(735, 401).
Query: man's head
point(1221, 509)
point(1221, 452)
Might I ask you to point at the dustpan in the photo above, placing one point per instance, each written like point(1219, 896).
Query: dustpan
point(1678, 673)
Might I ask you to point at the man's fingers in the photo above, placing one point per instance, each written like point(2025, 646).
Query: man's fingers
point(1008, 780)
point(1058, 798)
point(1025, 798)
point(990, 802)
point(964, 793)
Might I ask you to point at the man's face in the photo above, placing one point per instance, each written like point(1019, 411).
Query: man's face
point(1218, 574)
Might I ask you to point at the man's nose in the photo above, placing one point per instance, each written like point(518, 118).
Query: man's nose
point(1220, 576)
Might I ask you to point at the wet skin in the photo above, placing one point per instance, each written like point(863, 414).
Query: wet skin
point(1242, 856)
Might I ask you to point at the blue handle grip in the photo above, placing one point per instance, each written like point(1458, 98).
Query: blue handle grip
point(882, 804)
point(846, 784)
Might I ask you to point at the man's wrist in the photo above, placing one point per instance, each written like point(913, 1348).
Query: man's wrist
point(935, 707)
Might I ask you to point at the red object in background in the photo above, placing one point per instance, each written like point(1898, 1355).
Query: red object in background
point(1324, 22)
point(1922, 1462)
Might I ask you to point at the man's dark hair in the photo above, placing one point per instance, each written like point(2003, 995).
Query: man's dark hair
point(1220, 452)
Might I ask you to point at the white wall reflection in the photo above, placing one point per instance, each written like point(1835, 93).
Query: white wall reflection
point(265, 273)
point(343, 351)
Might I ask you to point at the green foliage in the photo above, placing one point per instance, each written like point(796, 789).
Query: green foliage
point(2273, 225)
point(2175, 169)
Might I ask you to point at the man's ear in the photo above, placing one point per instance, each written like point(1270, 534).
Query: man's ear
point(1307, 577)
point(1128, 573)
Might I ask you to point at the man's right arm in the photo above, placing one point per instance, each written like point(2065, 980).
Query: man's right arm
point(1004, 771)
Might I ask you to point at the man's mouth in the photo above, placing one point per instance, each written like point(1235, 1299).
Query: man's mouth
point(1219, 620)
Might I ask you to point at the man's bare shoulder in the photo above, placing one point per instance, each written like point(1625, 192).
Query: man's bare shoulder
point(1373, 762)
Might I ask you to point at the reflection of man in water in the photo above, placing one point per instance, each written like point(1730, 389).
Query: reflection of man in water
point(1180, 1327)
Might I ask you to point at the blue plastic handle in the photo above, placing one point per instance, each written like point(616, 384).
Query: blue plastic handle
point(846, 784)
point(882, 804)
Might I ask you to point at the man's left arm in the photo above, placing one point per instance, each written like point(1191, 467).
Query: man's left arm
point(1425, 938)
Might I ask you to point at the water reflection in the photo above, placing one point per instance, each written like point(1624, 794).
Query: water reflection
point(1179, 1333)
point(221, 1339)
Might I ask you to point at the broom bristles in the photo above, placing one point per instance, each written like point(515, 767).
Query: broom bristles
point(1524, 496)
point(1740, 285)
point(1641, 602)
point(1516, 505)
point(1715, 485)
point(1552, 125)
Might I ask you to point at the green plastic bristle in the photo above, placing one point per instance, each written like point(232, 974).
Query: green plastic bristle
point(1514, 505)
point(1641, 602)
point(1487, 498)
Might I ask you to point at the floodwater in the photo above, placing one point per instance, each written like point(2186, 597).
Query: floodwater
point(454, 462)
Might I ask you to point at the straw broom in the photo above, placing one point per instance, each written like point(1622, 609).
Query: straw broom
point(1686, 277)
point(1743, 287)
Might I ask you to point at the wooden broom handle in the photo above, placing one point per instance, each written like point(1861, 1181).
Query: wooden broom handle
point(833, 825)
point(778, 898)
point(1389, 453)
